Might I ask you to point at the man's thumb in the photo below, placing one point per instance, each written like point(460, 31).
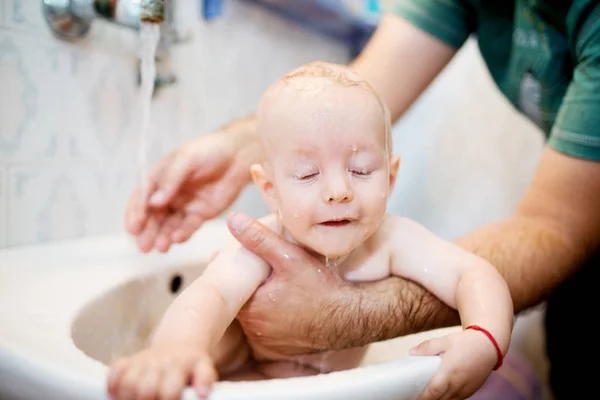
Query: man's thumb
point(262, 241)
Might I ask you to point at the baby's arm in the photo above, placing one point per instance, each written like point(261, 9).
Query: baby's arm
point(467, 283)
point(204, 310)
point(181, 347)
point(459, 278)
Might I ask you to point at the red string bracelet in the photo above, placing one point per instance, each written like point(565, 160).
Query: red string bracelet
point(489, 335)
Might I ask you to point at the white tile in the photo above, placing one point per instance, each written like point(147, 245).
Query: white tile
point(2, 12)
point(25, 15)
point(30, 100)
point(100, 108)
point(64, 103)
point(49, 204)
point(3, 206)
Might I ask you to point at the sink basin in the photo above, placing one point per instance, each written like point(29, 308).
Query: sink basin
point(68, 308)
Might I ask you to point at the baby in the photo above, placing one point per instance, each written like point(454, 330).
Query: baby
point(327, 175)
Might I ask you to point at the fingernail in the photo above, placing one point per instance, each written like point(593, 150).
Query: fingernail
point(202, 392)
point(158, 197)
point(238, 222)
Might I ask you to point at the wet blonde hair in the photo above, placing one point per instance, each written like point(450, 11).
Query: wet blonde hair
point(341, 75)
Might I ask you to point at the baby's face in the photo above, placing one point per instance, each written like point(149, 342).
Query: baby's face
point(328, 173)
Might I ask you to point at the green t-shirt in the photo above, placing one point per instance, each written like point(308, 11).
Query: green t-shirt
point(544, 55)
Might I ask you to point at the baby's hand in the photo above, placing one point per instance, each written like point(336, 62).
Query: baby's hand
point(162, 373)
point(468, 358)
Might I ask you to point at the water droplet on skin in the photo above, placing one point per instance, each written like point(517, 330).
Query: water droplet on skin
point(354, 148)
point(271, 297)
point(286, 256)
point(319, 270)
point(330, 263)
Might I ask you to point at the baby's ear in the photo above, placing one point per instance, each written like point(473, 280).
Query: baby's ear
point(394, 165)
point(262, 179)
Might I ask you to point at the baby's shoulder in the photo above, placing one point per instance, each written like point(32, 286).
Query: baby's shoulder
point(397, 231)
point(394, 225)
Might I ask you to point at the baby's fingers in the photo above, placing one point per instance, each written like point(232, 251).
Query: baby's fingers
point(173, 384)
point(148, 384)
point(117, 371)
point(127, 387)
point(431, 347)
point(437, 388)
point(204, 377)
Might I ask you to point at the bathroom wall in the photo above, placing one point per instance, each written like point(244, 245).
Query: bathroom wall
point(467, 156)
point(67, 150)
point(68, 154)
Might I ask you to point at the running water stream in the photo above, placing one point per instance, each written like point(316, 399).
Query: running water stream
point(149, 36)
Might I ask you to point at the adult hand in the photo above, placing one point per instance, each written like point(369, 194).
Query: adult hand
point(195, 183)
point(305, 307)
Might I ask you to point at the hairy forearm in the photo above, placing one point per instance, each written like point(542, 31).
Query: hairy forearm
point(532, 256)
point(379, 311)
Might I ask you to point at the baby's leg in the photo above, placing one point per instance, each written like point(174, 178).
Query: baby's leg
point(339, 360)
point(232, 351)
point(309, 365)
point(234, 363)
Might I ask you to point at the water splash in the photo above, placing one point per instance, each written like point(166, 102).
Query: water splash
point(149, 36)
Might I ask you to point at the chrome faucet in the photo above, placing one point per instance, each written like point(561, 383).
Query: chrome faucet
point(71, 20)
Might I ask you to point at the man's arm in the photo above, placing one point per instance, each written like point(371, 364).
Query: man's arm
point(400, 61)
point(553, 231)
point(555, 228)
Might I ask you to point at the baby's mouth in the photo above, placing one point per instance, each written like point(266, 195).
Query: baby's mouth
point(335, 223)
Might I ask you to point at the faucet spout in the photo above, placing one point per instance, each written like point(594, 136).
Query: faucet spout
point(71, 19)
point(152, 11)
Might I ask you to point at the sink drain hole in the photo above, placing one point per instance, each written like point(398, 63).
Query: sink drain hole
point(176, 283)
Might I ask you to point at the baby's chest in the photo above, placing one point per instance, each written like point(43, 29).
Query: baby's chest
point(372, 268)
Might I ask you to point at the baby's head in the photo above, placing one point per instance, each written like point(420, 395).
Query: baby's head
point(328, 169)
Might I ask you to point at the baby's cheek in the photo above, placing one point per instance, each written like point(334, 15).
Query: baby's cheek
point(296, 209)
point(375, 197)
point(295, 199)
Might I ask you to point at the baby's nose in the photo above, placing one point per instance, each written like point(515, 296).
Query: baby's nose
point(338, 191)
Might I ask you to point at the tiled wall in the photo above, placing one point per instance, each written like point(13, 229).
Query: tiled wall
point(67, 154)
point(67, 150)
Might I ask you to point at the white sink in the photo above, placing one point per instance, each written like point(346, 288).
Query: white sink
point(66, 309)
